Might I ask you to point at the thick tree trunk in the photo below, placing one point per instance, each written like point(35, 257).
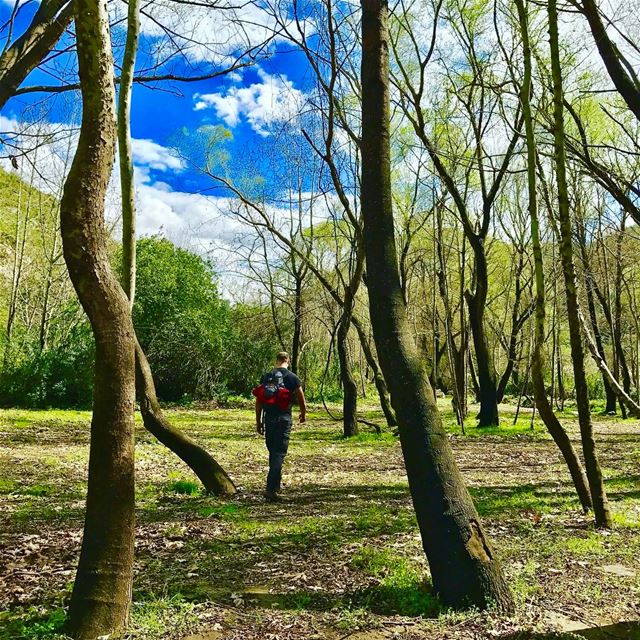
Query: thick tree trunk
point(545, 409)
point(349, 385)
point(463, 567)
point(592, 464)
point(102, 591)
point(27, 52)
point(487, 388)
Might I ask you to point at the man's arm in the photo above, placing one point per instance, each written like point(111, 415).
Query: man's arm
point(302, 403)
point(259, 425)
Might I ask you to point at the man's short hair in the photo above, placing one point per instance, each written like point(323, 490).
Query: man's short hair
point(283, 356)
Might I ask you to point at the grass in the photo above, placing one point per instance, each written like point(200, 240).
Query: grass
point(343, 554)
point(400, 587)
point(33, 623)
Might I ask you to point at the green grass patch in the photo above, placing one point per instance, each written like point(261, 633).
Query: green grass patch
point(500, 501)
point(591, 545)
point(32, 623)
point(37, 490)
point(400, 589)
point(183, 487)
point(229, 511)
point(152, 617)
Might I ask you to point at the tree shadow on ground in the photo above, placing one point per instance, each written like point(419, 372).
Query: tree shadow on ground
point(413, 600)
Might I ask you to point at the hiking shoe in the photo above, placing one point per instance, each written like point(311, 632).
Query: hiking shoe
point(272, 496)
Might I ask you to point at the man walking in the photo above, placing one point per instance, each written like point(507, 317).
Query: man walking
point(277, 391)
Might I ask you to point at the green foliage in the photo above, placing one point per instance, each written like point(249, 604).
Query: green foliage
point(60, 376)
point(179, 319)
point(198, 345)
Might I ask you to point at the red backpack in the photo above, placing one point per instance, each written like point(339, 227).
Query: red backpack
point(271, 393)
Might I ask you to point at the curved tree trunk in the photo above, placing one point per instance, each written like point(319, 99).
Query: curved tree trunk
point(592, 464)
point(463, 567)
point(102, 590)
point(210, 473)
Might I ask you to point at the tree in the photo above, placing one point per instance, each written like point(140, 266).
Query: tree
point(211, 474)
point(23, 55)
point(480, 96)
point(464, 569)
point(592, 465)
point(102, 590)
point(543, 405)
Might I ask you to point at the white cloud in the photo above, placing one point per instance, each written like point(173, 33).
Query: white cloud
point(209, 34)
point(272, 100)
point(153, 155)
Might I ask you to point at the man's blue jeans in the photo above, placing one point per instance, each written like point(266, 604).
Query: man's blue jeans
point(277, 433)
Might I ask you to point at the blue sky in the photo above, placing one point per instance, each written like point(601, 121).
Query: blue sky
point(247, 102)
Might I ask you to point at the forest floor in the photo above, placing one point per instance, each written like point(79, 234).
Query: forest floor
point(341, 558)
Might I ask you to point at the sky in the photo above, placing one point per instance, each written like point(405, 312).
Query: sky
point(172, 197)
point(250, 103)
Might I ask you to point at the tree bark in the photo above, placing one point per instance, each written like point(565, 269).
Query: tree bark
point(545, 409)
point(476, 302)
point(349, 385)
point(592, 464)
point(464, 569)
point(102, 590)
point(614, 62)
point(210, 473)
point(27, 52)
point(125, 152)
